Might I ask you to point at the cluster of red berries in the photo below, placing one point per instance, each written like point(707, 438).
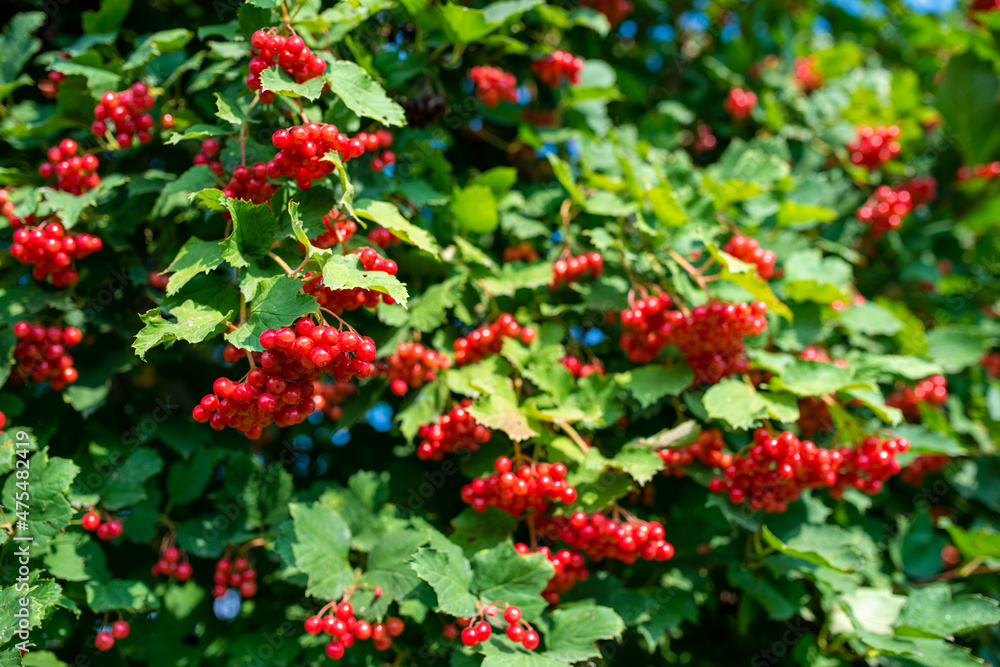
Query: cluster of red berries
point(867, 466)
point(933, 391)
point(487, 340)
point(707, 449)
point(7, 210)
point(522, 252)
point(105, 641)
point(568, 565)
point(411, 365)
point(566, 271)
point(991, 364)
point(739, 103)
point(74, 174)
point(518, 630)
point(818, 354)
point(705, 140)
point(775, 471)
point(748, 250)
point(51, 249)
point(452, 432)
point(289, 53)
point(874, 146)
point(49, 86)
point(339, 229)
point(127, 111)
point(339, 300)
point(922, 189)
point(557, 66)
point(580, 369)
point(645, 328)
point(281, 390)
point(885, 209)
point(920, 467)
point(600, 537)
point(237, 573)
point(208, 155)
point(105, 530)
point(173, 562)
point(301, 149)
point(382, 237)
point(615, 10)
point(374, 141)
point(249, 184)
point(41, 354)
point(494, 85)
point(330, 396)
point(985, 172)
point(806, 75)
point(530, 487)
point(341, 624)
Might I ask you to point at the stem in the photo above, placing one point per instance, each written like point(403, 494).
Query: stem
point(533, 539)
point(575, 436)
point(283, 264)
point(339, 318)
point(693, 272)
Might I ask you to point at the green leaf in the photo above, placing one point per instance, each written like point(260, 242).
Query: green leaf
point(640, 463)
point(791, 213)
point(345, 272)
point(389, 567)
point(108, 18)
point(278, 81)
point(871, 319)
point(979, 543)
point(499, 12)
point(967, 100)
point(277, 302)
point(931, 612)
point(815, 378)
point(502, 653)
point(956, 348)
point(177, 194)
point(124, 487)
point(513, 277)
point(666, 207)
point(499, 409)
point(98, 80)
point(475, 209)
point(388, 216)
point(577, 627)
point(17, 43)
point(254, 226)
point(320, 549)
point(199, 131)
point(451, 578)
point(463, 24)
point(811, 277)
point(362, 95)
point(76, 557)
point(649, 384)
point(195, 322)
point(734, 402)
point(826, 545)
point(165, 41)
point(120, 595)
point(195, 257)
point(501, 573)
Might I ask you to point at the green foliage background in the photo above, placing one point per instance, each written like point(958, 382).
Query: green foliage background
point(830, 582)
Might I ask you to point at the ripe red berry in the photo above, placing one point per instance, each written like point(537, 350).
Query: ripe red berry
point(104, 641)
point(470, 637)
point(90, 521)
point(120, 629)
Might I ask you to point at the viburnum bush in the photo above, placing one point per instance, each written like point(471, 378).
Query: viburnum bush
point(513, 334)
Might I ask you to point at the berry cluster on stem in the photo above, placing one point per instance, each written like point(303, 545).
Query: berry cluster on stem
point(52, 249)
point(339, 229)
point(487, 340)
point(807, 74)
point(621, 537)
point(932, 391)
point(748, 250)
point(454, 431)
point(173, 562)
point(106, 530)
point(410, 366)
point(126, 115)
point(567, 271)
point(529, 487)
point(739, 103)
point(479, 628)
point(291, 54)
point(74, 174)
point(581, 369)
point(234, 572)
point(41, 354)
point(707, 449)
point(105, 639)
point(337, 619)
point(339, 300)
point(330, 396)
point(494, 85)
point(557, 67)
point(874, 146)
